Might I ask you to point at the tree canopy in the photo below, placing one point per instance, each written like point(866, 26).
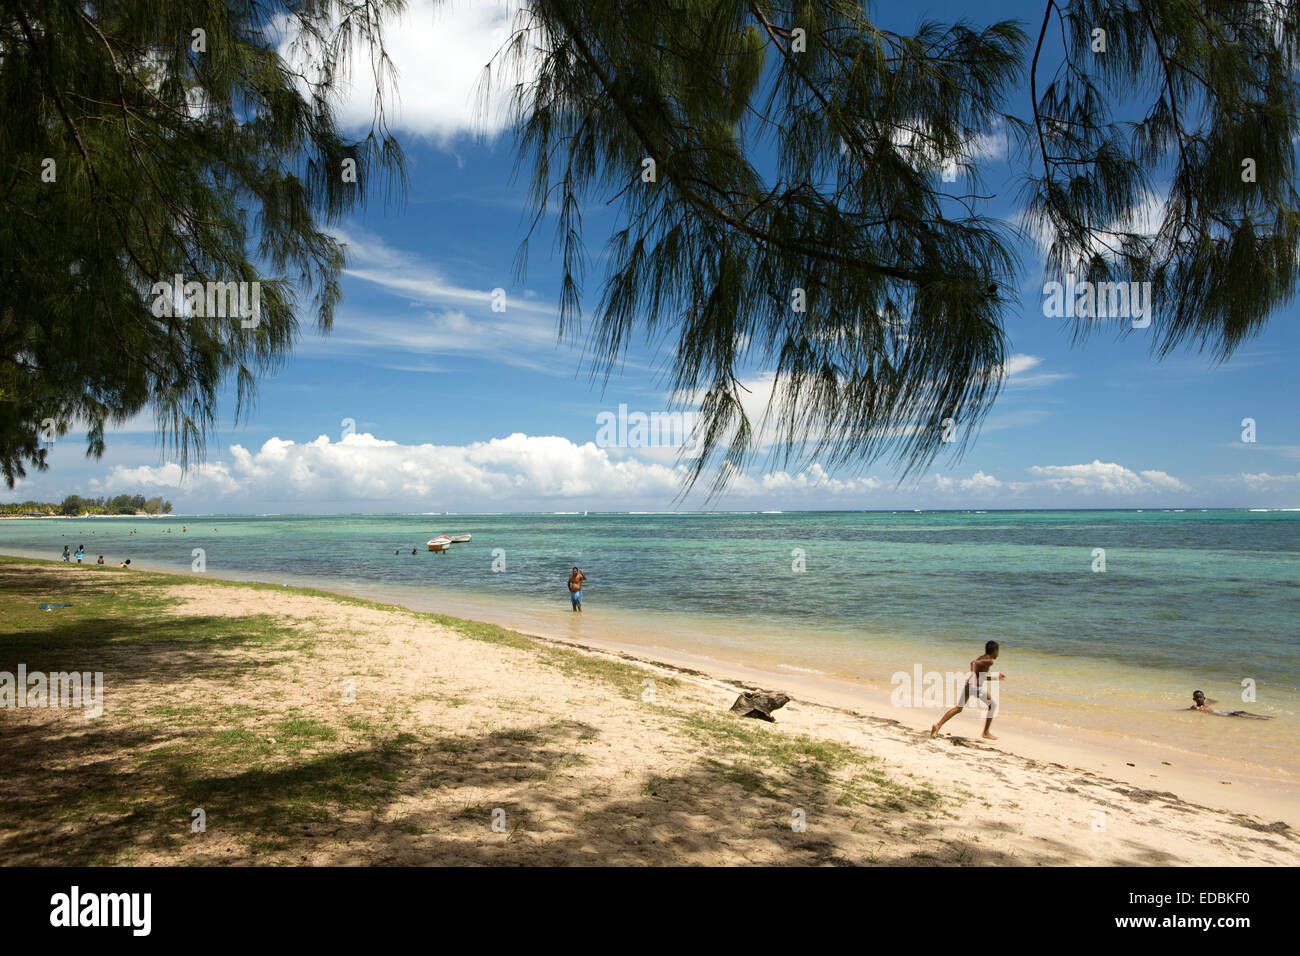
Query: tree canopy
point(74, 505)
point(146, 139)
point(781, 170)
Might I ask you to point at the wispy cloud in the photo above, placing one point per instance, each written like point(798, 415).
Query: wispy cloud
point(455, 320)
point(409, 276)
point(1284, 451)
point(1022, 371)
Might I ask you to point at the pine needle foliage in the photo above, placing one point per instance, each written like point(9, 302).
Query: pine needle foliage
point(801, 154)
point(143, 139)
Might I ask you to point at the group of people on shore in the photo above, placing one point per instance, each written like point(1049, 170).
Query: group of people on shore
point(80, 553)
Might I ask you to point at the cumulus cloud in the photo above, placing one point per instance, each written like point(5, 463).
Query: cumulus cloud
point(522, 472)
point(363, 468)
point(209, 480)
point(512, 472)
point(812, 478)
point(438, 49)
point(1102, 477)
point(916, 144)
point(978, 483)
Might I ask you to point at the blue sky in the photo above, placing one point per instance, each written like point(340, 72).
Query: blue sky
point(456, 407)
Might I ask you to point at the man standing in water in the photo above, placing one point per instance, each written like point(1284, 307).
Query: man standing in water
point(978, 686)
point(575, 589)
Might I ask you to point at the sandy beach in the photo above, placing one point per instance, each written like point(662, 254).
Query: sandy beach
point(314, 729)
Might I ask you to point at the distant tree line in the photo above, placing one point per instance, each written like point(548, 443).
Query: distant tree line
point(77, 505)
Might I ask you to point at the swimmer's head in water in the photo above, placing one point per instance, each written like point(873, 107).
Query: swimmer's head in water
point(1198, 696)
point(991, 648)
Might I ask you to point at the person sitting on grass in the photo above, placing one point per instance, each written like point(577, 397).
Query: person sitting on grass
point(125, 564)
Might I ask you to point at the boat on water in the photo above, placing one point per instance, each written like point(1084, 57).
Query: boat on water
point(440, 543)
point(460, 538)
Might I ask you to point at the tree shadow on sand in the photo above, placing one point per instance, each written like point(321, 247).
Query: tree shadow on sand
point(421, 800)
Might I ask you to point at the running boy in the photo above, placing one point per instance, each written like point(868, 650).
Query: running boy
point(978, 686)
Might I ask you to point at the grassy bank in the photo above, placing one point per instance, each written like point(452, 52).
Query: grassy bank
point(312, 728)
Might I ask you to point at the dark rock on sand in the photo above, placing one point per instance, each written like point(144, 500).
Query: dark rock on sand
point(760, 704)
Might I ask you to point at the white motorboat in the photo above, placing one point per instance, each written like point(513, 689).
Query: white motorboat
point(460, 538)
point(440, 543)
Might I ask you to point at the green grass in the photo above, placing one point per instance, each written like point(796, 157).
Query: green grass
point(628, 679)
point(750, 755)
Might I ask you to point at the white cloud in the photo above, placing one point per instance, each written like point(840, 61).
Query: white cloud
point(208, 480)
point(408, 276)
point(1263, 481)
point(918, 148)
point(978, 483)
point(540, 473)
point(527, 472)
point(1019, 370)
point(452, 320)
point(812, 478)
point(990, 146)
point(516, 472)
point(363, 468)
point(438, 49)
point(1284, 451)
point(1018, 364)
point(1101, 477)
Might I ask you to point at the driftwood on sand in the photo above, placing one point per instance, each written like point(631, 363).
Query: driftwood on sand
point(760, 703)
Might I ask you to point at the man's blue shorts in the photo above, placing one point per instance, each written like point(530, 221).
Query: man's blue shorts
point(575, 597)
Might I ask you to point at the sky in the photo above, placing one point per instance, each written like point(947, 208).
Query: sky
point(424, 398)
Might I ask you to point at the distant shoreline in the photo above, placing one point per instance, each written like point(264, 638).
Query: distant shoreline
point(85, 517)
point(1150, 509)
